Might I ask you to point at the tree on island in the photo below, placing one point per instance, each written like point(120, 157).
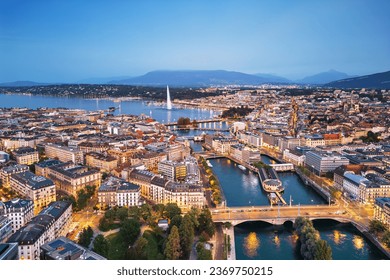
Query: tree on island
point(182, 122)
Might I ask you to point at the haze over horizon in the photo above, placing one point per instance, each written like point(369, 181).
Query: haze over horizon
point(67, 41)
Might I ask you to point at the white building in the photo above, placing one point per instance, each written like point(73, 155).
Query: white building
point(19, 211)
point(321, 162)
point(293, 157)
point(117, 192)
point(48, 225)
point(64, 154)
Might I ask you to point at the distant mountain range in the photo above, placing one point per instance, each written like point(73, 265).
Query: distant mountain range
point(324, 77)
point(102, 81)
point(204, 78)
point(198, 78)
point(378, 80)
point(23, 84)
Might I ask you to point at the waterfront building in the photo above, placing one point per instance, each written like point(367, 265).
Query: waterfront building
point(26, 155)
point(288, 142)
point(37, 188)
point(252, 139)
point(177, 152)
point(294, 157)
point(63, 248)
point(6, 172)
point(71, 178)
point(367, 188)
point(171, 170)
point(104, 163)
point(338, 174)
point(382, 210)
point(64, 153)
point(8, 251)
point(321, 162)
point(353, 183)
point(5, 228)
point(19, 211)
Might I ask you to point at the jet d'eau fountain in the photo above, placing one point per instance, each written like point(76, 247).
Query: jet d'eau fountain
point(169, 103)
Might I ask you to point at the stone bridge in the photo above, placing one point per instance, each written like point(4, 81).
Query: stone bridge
point(280, 214)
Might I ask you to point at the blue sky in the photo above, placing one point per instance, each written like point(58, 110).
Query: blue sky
point(66, 41)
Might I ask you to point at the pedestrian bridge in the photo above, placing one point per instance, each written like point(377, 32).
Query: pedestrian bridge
point(282, 167)
point(278, 215)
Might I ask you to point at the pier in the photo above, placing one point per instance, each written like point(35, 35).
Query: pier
point(271, 183)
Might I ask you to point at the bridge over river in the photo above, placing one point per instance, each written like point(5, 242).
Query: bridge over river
point(278, 215)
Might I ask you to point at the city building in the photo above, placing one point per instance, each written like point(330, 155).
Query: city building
point(117, 192)
point(6, 172)
point(64, 154)
point(100, 161)
point(39, 189)
point(128, 194)
point(294, 157)
point(61, 211)
point(4, 157)
point(62, 248)
point(26, 155)
point(172, 170)
point(46, 226)
point(41, 167)
point(5, 228)
point(321, 162)
point(19, 211)
point(8, 251)
point(382, 210)
point(32, 236)
point(71, 178)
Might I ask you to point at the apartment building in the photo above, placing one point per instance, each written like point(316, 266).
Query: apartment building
point(382, 210)
point(100, 161)
point(19, 211)
point(71, 178)
point(26, 155)
point(39, 189)
point(64, 153)
point(321, 162)
point(172, 170)
point(45, 227)
point(6, 172)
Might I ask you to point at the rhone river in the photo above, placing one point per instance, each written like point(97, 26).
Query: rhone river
point(260, 240)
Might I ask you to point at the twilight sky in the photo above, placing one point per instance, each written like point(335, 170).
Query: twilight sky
point(69, 40)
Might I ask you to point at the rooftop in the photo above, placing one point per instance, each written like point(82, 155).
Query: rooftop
point(31, 180)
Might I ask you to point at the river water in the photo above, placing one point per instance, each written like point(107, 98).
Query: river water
point(260, 240)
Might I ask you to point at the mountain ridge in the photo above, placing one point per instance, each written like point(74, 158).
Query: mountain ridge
point(377, 80)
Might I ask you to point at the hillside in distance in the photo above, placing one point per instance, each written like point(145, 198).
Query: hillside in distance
point(22, 84)
point(377, 80)
point(324, 77)
point(196, 78)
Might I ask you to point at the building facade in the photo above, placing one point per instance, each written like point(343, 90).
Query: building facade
point(39, 189)
point(71, 178)
point(26, 155)
point(19, 211)
point(64, 154)
point(321, 162)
